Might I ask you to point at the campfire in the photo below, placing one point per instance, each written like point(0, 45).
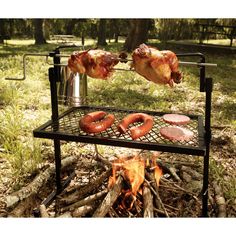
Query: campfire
point(137, 185)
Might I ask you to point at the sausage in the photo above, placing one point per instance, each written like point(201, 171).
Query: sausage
point(136, 132)
point(96, 122)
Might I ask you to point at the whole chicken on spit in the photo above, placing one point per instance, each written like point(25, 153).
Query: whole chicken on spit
point(95, 63)
point(160, 67)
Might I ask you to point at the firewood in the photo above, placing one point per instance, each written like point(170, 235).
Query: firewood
point(43, 211)
point(147, 202)
point(87, 189)
point(85, 201)
point(193, 173)
point(169, 169)
point(65, 215)
point(110, 198)
point(163, 213)
point(112, 212)
point(155, 191)
point(82, 211)
point(37, 183)
point(158, 198)
point(163, 180)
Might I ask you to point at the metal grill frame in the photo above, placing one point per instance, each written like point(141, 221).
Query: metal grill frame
point(204, 130)
point(52, 130)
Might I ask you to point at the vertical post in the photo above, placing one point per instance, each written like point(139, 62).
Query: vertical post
point(202, 75)
point(54, 76)
point(207, 140)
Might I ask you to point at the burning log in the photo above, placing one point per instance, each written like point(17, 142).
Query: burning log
point(147, 202)
point(110, 198)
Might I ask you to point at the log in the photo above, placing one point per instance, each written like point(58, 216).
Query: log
point(163, 213)
point(82, 211)
point(85, 201)
point(193, 173)
point(33, 188)
point(168, 169)
point(147, 202)
point(110, 198)
point(87, 189)
point(155, 189)
point(43, 211)
point(65, 215)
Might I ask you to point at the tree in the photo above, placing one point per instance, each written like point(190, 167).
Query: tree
point(2, 30)
point(138, 33)
point(39, 31)
point(102, 33)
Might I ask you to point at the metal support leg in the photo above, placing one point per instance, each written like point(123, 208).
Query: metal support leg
point(205, 184)
point(209, 85)
point(57, 153)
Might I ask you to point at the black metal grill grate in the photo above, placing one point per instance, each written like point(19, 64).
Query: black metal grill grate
point(68, 126)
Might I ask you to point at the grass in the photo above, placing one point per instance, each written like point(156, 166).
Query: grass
point(26, 105)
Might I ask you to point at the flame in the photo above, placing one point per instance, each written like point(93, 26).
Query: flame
point(157, 170)
point(133, 171)
point(157, 174)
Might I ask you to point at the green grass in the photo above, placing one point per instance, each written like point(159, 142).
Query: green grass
point(25, 105)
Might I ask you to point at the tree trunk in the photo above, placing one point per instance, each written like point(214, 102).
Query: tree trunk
point(116, 30)
point(39, 31)
point(102, 33)
point(2, 30)
point(138, 33)
point(70, 26)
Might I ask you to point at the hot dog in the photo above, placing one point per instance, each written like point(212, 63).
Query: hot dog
point(96, 122)
point(136, 132)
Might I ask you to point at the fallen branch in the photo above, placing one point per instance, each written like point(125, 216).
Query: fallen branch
point(43, 211)
point(110, 198)
point(82, 211)
point(85, 201)
point(65, 215)
point(80, 193)
point(180, 188)
point(37, 183)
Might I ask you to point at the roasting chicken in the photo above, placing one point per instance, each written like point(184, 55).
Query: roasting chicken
point(95, 63)
point(160, 67)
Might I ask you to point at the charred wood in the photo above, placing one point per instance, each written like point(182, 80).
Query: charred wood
point(110, 198)
point(147, 202)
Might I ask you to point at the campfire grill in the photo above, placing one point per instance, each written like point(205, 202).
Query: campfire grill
point(66, 127)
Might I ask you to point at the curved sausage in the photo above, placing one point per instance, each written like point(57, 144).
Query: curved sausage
point(96, 122)
point(136, 132)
